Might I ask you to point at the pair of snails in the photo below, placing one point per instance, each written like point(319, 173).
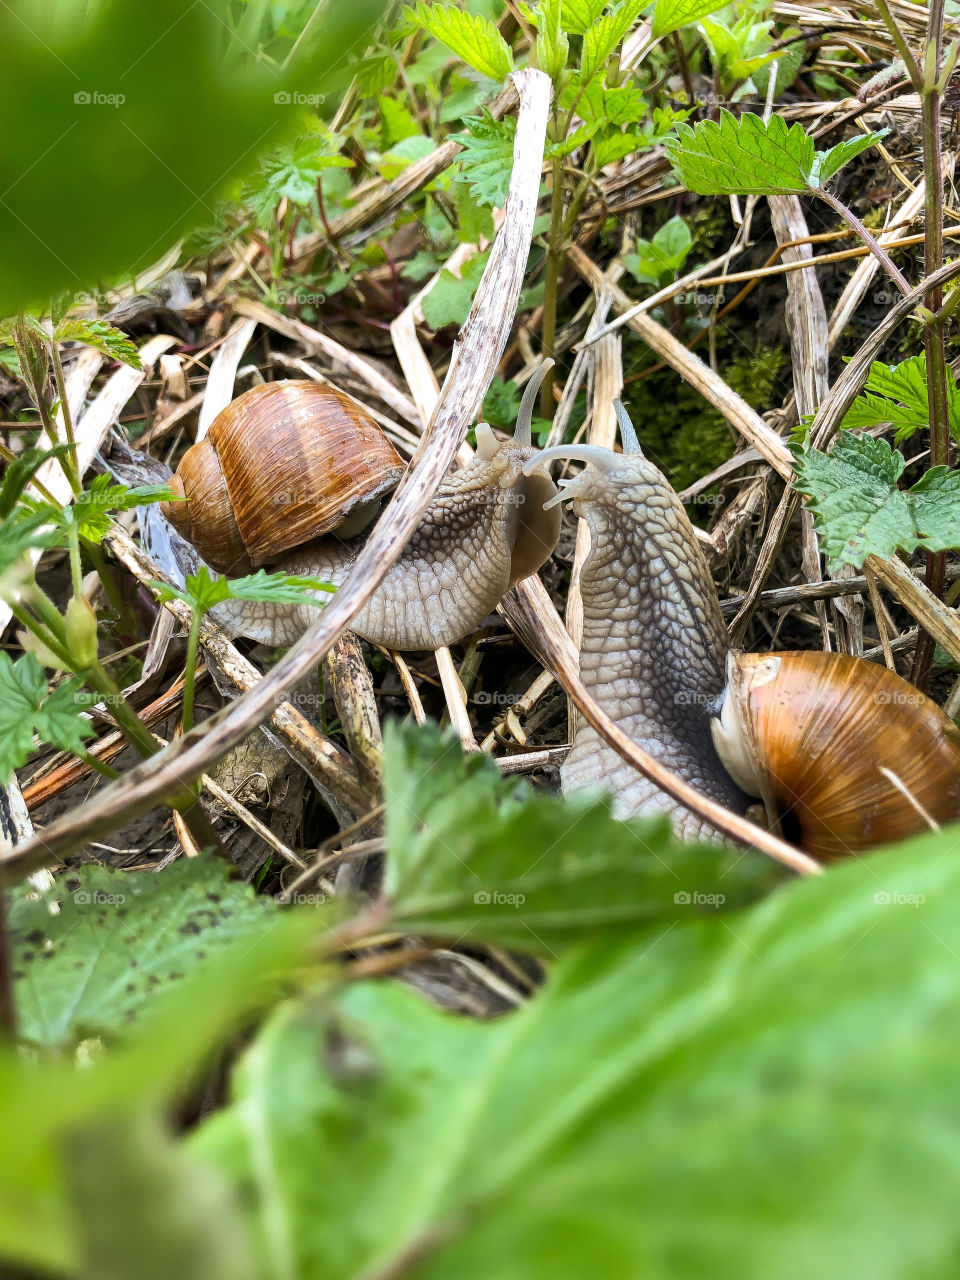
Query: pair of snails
point(844, 754)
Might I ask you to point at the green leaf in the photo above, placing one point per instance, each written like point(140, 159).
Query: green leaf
point(92, 509)
point(202, 590)
point(28, 707)
point(144, 1204)
point(21, 471)
point(46, 1100)
point(897, 394)
point(733, 1098)
point(501, 404)
point(787, 65)
point(606, 35)
point(470, 855)
point(474, 221)
point(88, 101)
point(859, 510)
point(450, 299)
point(402, 155)
point(832, 161)
point(671, 15)
point(118, 941)
point(487, 159)
point(553, 47)
point(398, 122)
point(374, 74)
point(746, 157)
point(578, 16)
point(661, 258)
point(103, 337)
point(624, 104)
point(20, 531)
point(473, 39)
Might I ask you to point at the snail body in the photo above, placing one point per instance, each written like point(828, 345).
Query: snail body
point(303, 447)
point(844, 754)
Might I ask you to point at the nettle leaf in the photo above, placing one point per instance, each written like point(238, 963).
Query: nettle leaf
point(22, 530)
point(450, 299)
point(28, 707)
point(475, 40)
point(474, 221)
point(859, 510)
point(897, 394)
point(501, 404)
point(748, 157)
point(770, 1093)
point(203, 590)
point(103, 337)
point(92, 510)
point(553, 46)
point(469, 854)
point(118, 941)
point(671, 15)
point(487, 159)
point(580, 15)
point(624, 104)
point(576, 138)
point(606, 35)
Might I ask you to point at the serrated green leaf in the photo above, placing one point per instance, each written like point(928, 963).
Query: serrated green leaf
point(552, 43)
point(747, 157)
point(614, 146)
point(100, 335)
point(768, 1094)
point(742, 157)
point(606, 35)
point(374, 74)
point(576, 138)
point(671, 15)
point(28, 707)
point(118, 941)
point(830, 162)
point(474, 221)
point(858, 509)
point(487, 159)
point(203, 590)
point(92, 509)
point(450, 299)
point(624, 104)
point(897, 394)
point(475, 40)
point(578, 16)
point(467, 855)
point(20, 531)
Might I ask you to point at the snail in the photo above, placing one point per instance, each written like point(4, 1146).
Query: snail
point(291, 473)
point(844, 754)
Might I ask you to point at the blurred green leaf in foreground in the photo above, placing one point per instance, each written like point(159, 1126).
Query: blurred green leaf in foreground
point(138, 117)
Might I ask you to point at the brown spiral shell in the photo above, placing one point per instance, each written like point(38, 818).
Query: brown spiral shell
point(812, 733)
point(281, 465)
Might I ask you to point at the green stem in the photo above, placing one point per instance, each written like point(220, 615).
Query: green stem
point(189, 679)
point(76, 568)
point(43, 633)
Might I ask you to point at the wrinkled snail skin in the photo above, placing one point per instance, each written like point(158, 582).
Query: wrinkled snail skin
point(292, 473)
point(654, 644)
point(462, 558)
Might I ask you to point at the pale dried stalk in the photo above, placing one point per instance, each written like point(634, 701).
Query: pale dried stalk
point(456, 699)
point(475, 358)
point(218, 391)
